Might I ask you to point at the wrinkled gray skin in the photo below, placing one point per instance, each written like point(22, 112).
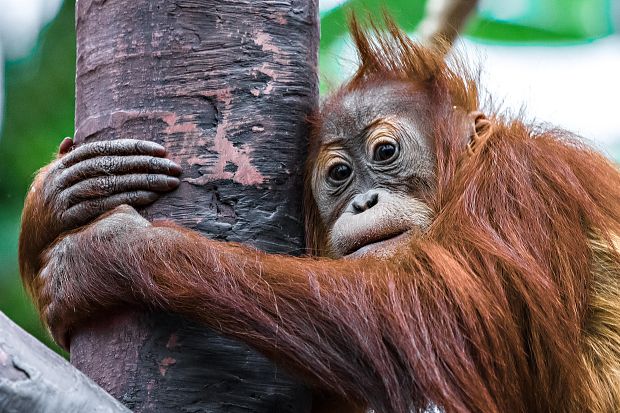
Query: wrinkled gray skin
point(95, 178)
point(370, 211)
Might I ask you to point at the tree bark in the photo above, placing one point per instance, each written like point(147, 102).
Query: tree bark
point(34, 379)
point(227, 87)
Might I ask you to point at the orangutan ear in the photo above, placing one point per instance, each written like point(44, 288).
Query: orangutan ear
point(480, 128)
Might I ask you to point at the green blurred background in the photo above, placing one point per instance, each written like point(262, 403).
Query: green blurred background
point(559, 58)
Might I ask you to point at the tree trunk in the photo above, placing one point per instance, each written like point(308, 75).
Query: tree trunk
point(34, 379)
point(226, 86)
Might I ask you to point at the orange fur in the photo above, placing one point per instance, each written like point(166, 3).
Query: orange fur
point(508, 303)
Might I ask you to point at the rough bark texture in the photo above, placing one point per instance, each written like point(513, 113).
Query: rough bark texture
point(34, 379)
point(226, 86)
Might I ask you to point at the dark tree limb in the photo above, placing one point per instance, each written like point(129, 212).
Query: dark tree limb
point(34, 379)
point(444, 20)
point(226, 86)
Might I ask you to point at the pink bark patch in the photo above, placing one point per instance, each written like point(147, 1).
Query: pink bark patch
point(172, 341)
point(264, 40)
point(246, 173)
point(165, 364)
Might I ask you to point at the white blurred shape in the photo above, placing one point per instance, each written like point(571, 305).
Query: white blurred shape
point(326, 5)
point(20, 23)
point(503, 10)
point(574, 87)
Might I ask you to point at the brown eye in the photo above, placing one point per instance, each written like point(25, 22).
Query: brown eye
point(339, 172)
point(384, 152)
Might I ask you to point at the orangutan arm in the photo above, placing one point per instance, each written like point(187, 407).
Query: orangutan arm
point(365, 329)
point(80, 185)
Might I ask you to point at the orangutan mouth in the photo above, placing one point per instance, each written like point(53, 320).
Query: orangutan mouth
point(378, 246)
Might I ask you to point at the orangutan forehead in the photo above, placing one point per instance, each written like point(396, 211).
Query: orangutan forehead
point(353, 111)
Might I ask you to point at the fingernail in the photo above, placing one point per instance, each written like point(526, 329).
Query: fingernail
point(161, 151)
point(173, 182)
point(174, 168)
point(155, 148)
point(65, 146)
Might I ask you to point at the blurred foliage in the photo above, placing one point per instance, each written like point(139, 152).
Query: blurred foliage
point(39, 94)
point(39, 108)
point(334, 32)
point(512, 21)
point(548, 21)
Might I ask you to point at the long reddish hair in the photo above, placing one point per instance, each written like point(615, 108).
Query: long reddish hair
point(514, 226)
point(510, 302)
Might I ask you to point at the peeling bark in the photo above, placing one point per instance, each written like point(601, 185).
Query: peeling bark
point(34, 379)
point(227, 87)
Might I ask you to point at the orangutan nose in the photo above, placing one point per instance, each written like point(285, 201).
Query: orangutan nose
point(363, 202)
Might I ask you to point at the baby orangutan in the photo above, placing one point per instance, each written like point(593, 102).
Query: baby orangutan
point(468, 261)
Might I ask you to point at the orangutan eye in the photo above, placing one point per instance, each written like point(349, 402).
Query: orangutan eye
point(384, 152)
point(339, 172)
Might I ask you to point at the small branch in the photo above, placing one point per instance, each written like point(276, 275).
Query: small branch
point(34, 379)
point(444, 19)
